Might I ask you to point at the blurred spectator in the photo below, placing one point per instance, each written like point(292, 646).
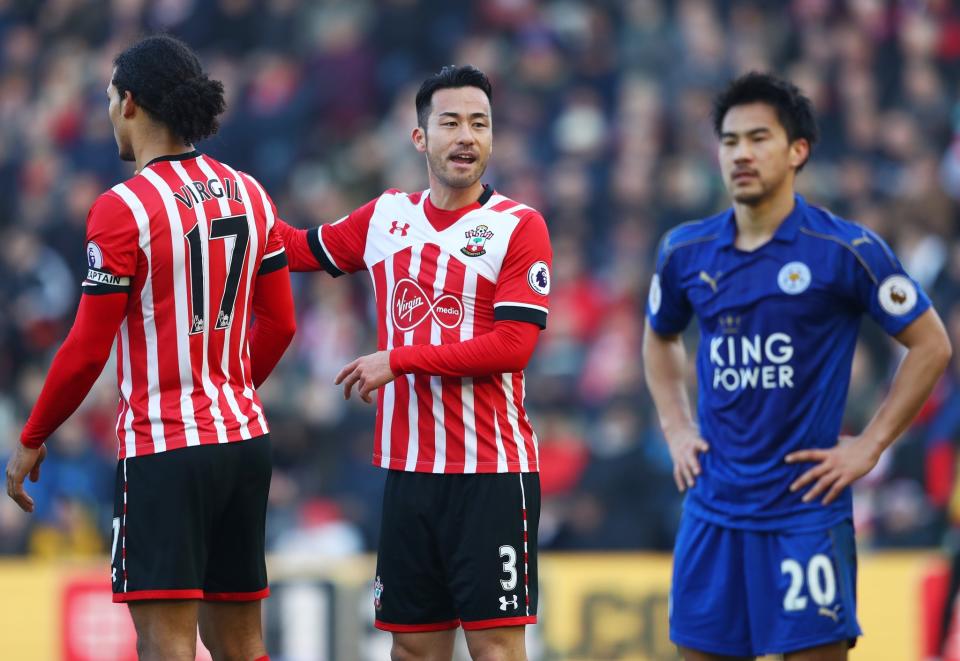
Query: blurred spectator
point(602, 116)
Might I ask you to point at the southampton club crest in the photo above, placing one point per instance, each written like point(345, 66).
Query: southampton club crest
point(476, 240)
point(377, 593)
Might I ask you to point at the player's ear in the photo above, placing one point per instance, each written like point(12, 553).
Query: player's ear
point(127, 104)
point(419, 137)
point(799, 152)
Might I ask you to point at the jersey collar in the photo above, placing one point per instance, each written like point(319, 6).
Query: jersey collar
point(174, 157)
point(786, 233)
point(442, 219)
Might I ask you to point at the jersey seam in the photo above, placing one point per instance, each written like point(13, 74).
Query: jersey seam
point(684, 244)
point(827, 237)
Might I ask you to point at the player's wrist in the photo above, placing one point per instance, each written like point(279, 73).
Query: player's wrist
point(873, 445)
point(31, 443)
point(680, 429)
point(397, 360)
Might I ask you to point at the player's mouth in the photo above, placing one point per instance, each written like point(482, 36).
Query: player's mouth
point(464, 158)
point(743, 176)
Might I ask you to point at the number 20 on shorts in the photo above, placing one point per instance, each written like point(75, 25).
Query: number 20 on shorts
point(821, 582)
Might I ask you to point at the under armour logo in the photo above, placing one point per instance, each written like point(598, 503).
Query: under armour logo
point(395, 226)
point(504, 601)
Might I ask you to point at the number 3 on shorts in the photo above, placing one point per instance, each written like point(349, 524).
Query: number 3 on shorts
point(509, 567)
point(821, 582)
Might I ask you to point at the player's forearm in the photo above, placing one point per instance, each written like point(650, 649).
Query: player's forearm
point(300, 256)
point(274, 323)
point(664, 365)
point(916, 376)
point(507, 348)
point(76, 366)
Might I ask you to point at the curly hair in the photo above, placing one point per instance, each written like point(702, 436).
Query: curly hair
point(165, 78)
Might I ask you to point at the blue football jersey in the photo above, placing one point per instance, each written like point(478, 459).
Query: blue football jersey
point(778, 327)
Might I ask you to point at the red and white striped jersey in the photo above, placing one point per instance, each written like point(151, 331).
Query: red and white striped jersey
point(186, 238)
point(441, 277)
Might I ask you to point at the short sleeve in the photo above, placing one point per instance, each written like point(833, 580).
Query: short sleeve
point(339, 246)
point(884, 289)
point(112, 244)
point(523, 286)
point(668, 308)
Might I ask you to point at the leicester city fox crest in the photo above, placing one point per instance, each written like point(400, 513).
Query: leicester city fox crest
point(476, 240)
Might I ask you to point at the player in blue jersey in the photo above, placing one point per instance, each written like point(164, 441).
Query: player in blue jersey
point(764, 560)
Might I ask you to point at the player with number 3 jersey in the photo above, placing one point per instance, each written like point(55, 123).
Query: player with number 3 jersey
point(461, 277)
point(764, 561)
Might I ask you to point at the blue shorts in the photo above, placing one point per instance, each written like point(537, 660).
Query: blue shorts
point(748, 593)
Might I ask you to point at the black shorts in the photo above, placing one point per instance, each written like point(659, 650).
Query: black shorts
point(189, 523)
point(457, 550)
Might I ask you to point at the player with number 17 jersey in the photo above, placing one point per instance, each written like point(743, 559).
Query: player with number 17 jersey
point(180, 259)
point(187, 237)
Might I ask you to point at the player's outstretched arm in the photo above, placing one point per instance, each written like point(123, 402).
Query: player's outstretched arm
point(928, 353)
point(73, 372)
point(507, 348)
point(274, 323)
point(664, 367)
point(299, 255)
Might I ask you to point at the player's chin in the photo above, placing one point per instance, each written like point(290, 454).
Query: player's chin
point(463, 179)
point(748, 196)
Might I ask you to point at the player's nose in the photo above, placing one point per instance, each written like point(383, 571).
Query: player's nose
point(465, 136)
point(742, 152)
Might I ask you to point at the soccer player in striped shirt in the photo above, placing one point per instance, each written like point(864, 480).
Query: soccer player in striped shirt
point(764, 561)
point(461, 276)
point(180, 257)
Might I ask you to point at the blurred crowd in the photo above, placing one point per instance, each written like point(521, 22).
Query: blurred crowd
point(601, 115)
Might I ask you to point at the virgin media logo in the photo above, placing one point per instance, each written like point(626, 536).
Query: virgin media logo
point(411, 305)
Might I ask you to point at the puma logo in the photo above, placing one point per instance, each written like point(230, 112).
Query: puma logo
point(862, 239)
point(710, 281)
point(832, 613)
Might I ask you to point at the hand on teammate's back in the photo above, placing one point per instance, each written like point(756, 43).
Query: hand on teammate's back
point(836, 468)
point(685, 448)
point(368, 373)
point(23, 462)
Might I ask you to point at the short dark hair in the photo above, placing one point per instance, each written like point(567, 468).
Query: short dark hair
point(448, 77)
point(165, 78)
point(794, 110)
